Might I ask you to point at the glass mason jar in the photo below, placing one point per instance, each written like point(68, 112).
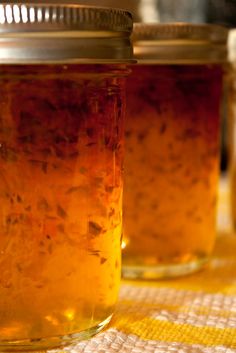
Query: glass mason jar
point(62, 76)
point(172, 149)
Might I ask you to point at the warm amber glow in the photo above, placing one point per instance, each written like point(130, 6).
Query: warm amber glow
point(123, 244)
point(69, 314)
point(60, 194)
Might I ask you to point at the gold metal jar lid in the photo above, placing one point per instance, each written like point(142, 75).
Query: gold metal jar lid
point(179, 43)
point(34, 33)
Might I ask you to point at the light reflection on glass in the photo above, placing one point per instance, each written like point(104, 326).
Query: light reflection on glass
point(32, 14)
point(39, 15)
point(24, 14)
point(2, 15)
point(47, 16)
point(9, 16)
point(16, 13)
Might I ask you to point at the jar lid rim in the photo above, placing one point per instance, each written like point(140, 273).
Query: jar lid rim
point(179, 43)
point(180, 31)
point(42, 17)
point(68, 31)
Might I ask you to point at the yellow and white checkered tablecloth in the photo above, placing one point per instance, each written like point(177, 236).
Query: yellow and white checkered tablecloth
point(192, 314)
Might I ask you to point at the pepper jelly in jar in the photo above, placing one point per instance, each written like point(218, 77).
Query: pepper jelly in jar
point(62, 76)
point(232, 124)
point(172, 149)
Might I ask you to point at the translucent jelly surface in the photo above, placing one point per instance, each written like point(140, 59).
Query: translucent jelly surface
point(61, 149)
point(171, 164)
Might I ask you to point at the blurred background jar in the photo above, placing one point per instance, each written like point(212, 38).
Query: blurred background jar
point(62, 97)
point(232, 122)
point(221, 12)
point(172, 149)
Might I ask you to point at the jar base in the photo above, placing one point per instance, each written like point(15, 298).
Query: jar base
point(29, 345)
point(163, 271)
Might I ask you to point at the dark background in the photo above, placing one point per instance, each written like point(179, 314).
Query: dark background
point(208, 11)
